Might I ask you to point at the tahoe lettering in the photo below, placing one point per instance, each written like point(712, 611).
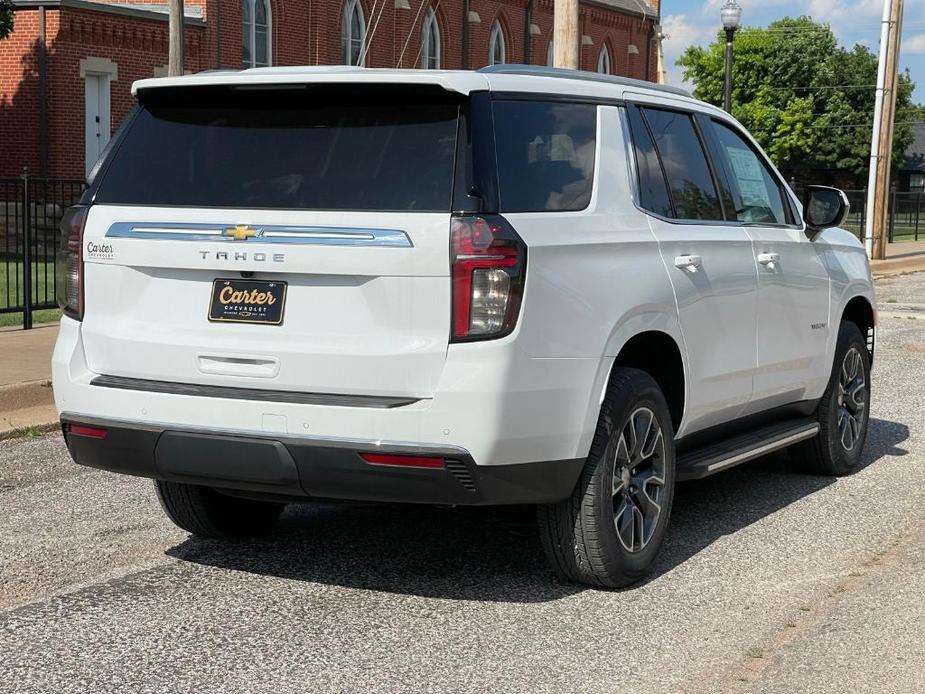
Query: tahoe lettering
point(243, 255)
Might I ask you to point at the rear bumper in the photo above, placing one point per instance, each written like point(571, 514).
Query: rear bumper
point(500, 405)
point(312, 468)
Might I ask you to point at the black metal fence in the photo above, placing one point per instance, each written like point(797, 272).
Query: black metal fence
point(30, 216)
point(906, 214)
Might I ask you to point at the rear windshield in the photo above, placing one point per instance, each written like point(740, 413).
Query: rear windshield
point(341, 150)
point(545, 154)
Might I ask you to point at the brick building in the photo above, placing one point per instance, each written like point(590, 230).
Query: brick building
point(67, 68)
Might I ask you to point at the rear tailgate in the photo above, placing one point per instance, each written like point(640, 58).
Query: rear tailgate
point(344, 201)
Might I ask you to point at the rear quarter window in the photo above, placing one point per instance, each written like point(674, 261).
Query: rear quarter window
point(545, 154)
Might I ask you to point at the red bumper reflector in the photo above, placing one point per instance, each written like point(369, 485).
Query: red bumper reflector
point(402, 460)
point(83, 430)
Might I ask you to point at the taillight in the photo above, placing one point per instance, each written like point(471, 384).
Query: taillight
point(399, 460)
point(69, 262)
point(488, 262)
point(88, 431)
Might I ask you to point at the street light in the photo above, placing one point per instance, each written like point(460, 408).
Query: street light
point(731, 14)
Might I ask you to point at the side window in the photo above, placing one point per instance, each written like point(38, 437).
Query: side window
point(756, 194)
point(653, 189)
point(685, 165)
point(545, 154)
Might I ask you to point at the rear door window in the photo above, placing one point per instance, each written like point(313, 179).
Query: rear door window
point(653, 188)
point(545, 153)
point(684, 162)
point(286, 149)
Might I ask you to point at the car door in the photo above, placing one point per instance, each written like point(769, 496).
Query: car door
point(793, 285)
point(710, 262)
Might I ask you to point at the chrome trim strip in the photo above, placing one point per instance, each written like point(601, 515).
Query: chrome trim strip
point(313, 236)
point(257, 394)
point(807, 433)
point(327, 441)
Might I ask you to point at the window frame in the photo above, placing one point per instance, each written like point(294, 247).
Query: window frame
point(352, 7)
point(251, 28)
point(602, 57)
point(707, 154)
point(707, 137)
point(559, 99)
point(430, 30)
point(496, 38)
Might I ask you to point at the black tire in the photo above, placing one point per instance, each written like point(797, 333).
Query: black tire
point(829, 453)
point(205, 512)
point(580, 534)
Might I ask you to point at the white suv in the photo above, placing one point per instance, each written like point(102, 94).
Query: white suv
point(513, 286)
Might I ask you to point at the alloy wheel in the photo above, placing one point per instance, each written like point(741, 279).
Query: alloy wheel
point(852, 399)
point(637, 450)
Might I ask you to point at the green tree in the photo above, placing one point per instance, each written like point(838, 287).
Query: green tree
point(808, 101)
point(6, 18)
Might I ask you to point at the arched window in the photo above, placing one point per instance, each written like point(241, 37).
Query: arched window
point(603, 61)
point(496, 45)
point(551, 54)
point(430, 42)
point(255, 26)
point(353, 33)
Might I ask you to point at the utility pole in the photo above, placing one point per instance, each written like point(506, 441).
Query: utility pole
point(881, 145)
point(565, 33)
point(175, 47)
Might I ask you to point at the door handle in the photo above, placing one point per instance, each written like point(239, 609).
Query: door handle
point(769, 258)
point(691, 263)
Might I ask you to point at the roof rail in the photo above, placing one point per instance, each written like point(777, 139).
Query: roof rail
point(543, 71)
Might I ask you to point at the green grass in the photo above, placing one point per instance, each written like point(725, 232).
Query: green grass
point(45, 315)
point(27, 432)
point(11, 281)
point(901, 232)
point(12, 294)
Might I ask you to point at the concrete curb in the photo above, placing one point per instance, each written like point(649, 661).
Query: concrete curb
point(27, 406)
point(18, 396)
point(891, 268)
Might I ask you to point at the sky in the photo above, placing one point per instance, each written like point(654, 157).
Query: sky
point(854, 21)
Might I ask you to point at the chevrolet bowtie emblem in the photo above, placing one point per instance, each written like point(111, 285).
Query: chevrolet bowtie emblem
point(241, 232)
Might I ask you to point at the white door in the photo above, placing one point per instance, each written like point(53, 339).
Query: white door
point(710, 261)
point(97, 121)
point(793, 284)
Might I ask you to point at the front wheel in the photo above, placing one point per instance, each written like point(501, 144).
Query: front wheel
point(844, 411)
point(608, 532)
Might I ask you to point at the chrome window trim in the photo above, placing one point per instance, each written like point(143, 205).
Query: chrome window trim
point(634, 182)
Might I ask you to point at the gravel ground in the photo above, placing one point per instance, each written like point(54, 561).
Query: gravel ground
point(769, 581)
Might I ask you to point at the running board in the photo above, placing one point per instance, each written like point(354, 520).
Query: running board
point(708, 460)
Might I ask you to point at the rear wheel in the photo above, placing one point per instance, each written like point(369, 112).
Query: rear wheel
point(205, 512)
point(608, 532)
point(843, 412)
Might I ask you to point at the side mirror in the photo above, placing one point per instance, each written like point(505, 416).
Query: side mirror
point(823, 207)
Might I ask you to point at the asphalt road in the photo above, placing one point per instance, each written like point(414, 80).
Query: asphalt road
point(770, 581)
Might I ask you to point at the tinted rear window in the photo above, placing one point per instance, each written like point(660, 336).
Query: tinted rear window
point(545, 154)
point(685, 165)
point(287, 149)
